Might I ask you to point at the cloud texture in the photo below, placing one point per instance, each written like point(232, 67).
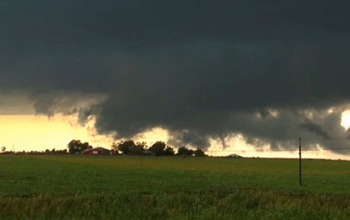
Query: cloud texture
point(269, 70)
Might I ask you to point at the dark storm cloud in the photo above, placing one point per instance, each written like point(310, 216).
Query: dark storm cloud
point(315, 128)
point(201, 69)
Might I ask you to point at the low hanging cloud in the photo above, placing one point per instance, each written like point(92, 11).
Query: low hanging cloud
point(200, 69)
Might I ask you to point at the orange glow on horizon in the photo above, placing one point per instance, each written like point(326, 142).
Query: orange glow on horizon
point(38, 132)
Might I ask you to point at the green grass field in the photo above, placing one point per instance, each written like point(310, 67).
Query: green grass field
point(103, 187)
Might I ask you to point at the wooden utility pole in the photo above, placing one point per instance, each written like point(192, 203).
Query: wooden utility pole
point(300, 180)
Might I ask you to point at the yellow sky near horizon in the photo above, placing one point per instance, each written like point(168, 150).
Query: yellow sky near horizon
point(39, 132)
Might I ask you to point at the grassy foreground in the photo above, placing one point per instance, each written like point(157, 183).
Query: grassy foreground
point(95, 187)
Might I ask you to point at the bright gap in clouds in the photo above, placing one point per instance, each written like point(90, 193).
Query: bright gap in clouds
point(38, 132)
point(153, 135)
point(345, 119)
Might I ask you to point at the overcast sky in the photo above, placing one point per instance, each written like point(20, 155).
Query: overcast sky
point(269, 70)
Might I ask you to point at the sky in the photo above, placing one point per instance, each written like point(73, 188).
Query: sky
point(210, 74)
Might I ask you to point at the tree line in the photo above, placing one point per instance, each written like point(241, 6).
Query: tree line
point(130, 147)
point(159, 148)
point(127, 147)
point(36, 152)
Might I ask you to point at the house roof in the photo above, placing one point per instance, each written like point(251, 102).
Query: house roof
point(96, 148)
point(100, 148)
point(234, 155)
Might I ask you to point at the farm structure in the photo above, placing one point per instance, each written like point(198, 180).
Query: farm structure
point(97, 151)
point(234, 156)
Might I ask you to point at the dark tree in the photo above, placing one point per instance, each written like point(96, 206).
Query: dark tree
point(76, 146)
point(138, 149)
point(158, 148)
point(199, 153)
point(183, 151)
point(64, 151)
point(169, 151)
point(142, 145)
point(130, 148)
point(126, 146)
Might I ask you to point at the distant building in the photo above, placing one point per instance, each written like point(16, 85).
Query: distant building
point(97, 151)
point(234, 156)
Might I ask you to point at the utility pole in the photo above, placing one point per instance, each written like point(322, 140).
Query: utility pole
point(300, 181)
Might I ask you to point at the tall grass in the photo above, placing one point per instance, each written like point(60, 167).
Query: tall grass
point(84, 187)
